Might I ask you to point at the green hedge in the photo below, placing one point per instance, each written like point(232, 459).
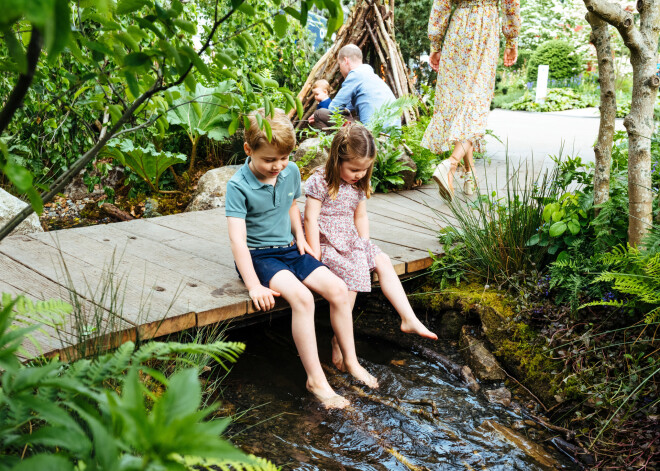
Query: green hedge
point(562, 58)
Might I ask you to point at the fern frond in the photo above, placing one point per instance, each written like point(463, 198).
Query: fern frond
point(51, 312)
point(604, 303)
point(219, 351)
point(252, 463)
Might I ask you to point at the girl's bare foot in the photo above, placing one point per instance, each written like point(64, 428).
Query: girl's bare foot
point(327, 396)
point(415, 326)
point(358, 372)
point(337, 357)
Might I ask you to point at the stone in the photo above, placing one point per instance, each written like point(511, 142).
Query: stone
point(451, 324)
point(212, 188)
point(77, 189)
point(9, 207)
point(409, 180)
point(490, 429)
point(311, 154)
point(499, 396)
point(151, 209)
point(483, 363)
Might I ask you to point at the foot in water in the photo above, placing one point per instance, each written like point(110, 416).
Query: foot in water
point(362, 375)
point(327, 396)
point(415, 326)
point(337, 357)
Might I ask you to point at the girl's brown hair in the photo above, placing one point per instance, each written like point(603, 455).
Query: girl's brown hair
point(352, 141)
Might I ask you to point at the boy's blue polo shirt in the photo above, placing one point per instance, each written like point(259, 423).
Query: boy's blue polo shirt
point(265, 208)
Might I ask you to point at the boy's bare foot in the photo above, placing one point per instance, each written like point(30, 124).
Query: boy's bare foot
point(337, 357)
point(358, 372)
point(415, 326)
point(329, 398)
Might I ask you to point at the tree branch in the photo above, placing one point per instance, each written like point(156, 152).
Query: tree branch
point(621, 19)
point(15, 100)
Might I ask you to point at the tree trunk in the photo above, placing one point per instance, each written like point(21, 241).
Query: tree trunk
point(600, 38)
point(643, 44)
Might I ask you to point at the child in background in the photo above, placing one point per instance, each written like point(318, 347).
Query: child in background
point(337, 226)
point(269, 248)
point(321, 91)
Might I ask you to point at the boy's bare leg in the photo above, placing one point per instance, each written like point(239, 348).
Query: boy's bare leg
point(337, 357)
point(334, 291)
point(304, 336)
point(393, 291)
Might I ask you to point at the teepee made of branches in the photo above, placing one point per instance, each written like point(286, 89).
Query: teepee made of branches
point(370, 26)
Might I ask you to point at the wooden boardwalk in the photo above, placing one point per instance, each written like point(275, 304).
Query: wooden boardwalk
point(175, 272)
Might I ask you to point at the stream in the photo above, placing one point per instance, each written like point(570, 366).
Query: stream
point(392, 428)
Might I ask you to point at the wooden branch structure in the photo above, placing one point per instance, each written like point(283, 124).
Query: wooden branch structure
point(370, 26)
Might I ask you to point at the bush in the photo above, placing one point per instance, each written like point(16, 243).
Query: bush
point(558, 99)
point(562, 58)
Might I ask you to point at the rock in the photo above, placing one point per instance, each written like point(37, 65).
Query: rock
point(407, 175)
point(499, 396)
point(9, 207)
point(77, 189)
point(151, 209)
point(212, 188)
point(311, 154)
point(482, 362)
point(451, 324)
point(490, 429)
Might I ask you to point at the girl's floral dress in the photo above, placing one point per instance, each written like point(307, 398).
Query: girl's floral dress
point(347, 255)
point(466, 75)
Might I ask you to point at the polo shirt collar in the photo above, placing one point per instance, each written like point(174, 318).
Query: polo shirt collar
point(252, 179)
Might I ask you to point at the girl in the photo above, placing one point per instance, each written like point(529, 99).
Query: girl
point(337, 227)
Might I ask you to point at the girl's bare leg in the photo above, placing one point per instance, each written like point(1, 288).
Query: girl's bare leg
point(334, 291)
point(304, 336)
point(337, 357)
point(394, 292)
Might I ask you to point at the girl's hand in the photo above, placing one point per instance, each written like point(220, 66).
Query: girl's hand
point(262, 297)
point(434, 60)
point(510, 55)
point(304, 247)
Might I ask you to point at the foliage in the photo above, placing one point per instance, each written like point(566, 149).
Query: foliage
point(545, 20)
point(411, 19)
point(388, 167)
point(559, 55)
point(146, 161)
point(557, 99)
point(67, 416)
point(423, 158)
point(449, 268)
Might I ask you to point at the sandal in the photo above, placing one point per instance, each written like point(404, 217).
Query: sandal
point(441, 177)
point(470, 184)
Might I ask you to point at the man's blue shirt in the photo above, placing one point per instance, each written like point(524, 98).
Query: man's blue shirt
point(264, 207)
point(363, 91)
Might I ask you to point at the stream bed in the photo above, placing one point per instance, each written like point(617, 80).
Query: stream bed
point(391, 428)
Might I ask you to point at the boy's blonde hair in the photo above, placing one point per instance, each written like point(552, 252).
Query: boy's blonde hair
point(352, 141)
point(323, 83)
point(283, 135)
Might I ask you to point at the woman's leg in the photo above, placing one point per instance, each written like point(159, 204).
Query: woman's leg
point(324, 282)
point(337, 357)
point(460, 152)
point(394, 292)
point(304, 336)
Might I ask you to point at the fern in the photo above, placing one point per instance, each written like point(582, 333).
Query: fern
point(252, 463)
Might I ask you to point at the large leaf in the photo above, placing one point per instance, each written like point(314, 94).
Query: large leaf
point(203, 113)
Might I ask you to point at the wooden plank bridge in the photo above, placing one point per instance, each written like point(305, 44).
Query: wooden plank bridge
point(153, 277)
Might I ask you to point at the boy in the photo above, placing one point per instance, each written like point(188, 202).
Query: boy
point(272, 255)
point(321, 91)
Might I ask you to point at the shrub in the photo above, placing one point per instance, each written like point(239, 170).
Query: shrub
point(562, 58)
point(558, 99)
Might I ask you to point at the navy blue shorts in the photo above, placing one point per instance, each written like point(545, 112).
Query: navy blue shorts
point(267, 262)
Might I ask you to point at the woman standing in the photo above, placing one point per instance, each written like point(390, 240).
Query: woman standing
point(465, 61)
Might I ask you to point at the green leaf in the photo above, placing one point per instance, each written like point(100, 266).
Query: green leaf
point(557, 229)
point(258, 78)
point(129, 6)
point(127, 40)
point(558, 215)
point(58, 29)
point(280, 24)
point(299, 108)
point(233, 126)
point(223, 58)
point(35, 200)
point(190, 81)
point(267, 128)
point(186, 26)
point(533, 240)
point(136, 59)
point(573, 227)
point(19, 176)
point(199, 63)
point(131, 81)
point(146, 24)
point(16, 51)
point(247, 9)
point(292, 12)
point(115, 112)
point(44, 462)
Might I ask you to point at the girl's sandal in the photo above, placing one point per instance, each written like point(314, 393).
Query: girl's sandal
point(470, 183)
point(441, 177)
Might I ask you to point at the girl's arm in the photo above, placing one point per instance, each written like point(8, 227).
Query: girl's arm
point(312, 211)
point(261, 296)
point(362, 220)
point(297, 230)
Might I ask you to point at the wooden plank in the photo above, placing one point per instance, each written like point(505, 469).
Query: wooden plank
point(86, 278)
point(403, 237)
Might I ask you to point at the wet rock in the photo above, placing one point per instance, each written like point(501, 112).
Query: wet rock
point(311, 154)
point(451, 324)
point(482, 362)
point(499, 396)
point(151, 209)
point(212, 188)
point(531, 449)
point(518, 425)
point(9, 207)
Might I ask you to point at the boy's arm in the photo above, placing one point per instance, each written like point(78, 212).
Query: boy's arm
point(297, 230)
point(362, 219)
point(261, 296)
point(312, 211)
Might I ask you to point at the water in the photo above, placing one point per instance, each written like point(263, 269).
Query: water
point(279, 420)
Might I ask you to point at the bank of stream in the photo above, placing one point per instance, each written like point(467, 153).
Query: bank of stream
point(421, 417)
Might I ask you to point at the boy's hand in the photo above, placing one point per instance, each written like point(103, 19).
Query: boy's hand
point(262, 297)
point(310, 119)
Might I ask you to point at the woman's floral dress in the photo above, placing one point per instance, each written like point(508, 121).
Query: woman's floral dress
point(347, 255)
point(466, 75)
